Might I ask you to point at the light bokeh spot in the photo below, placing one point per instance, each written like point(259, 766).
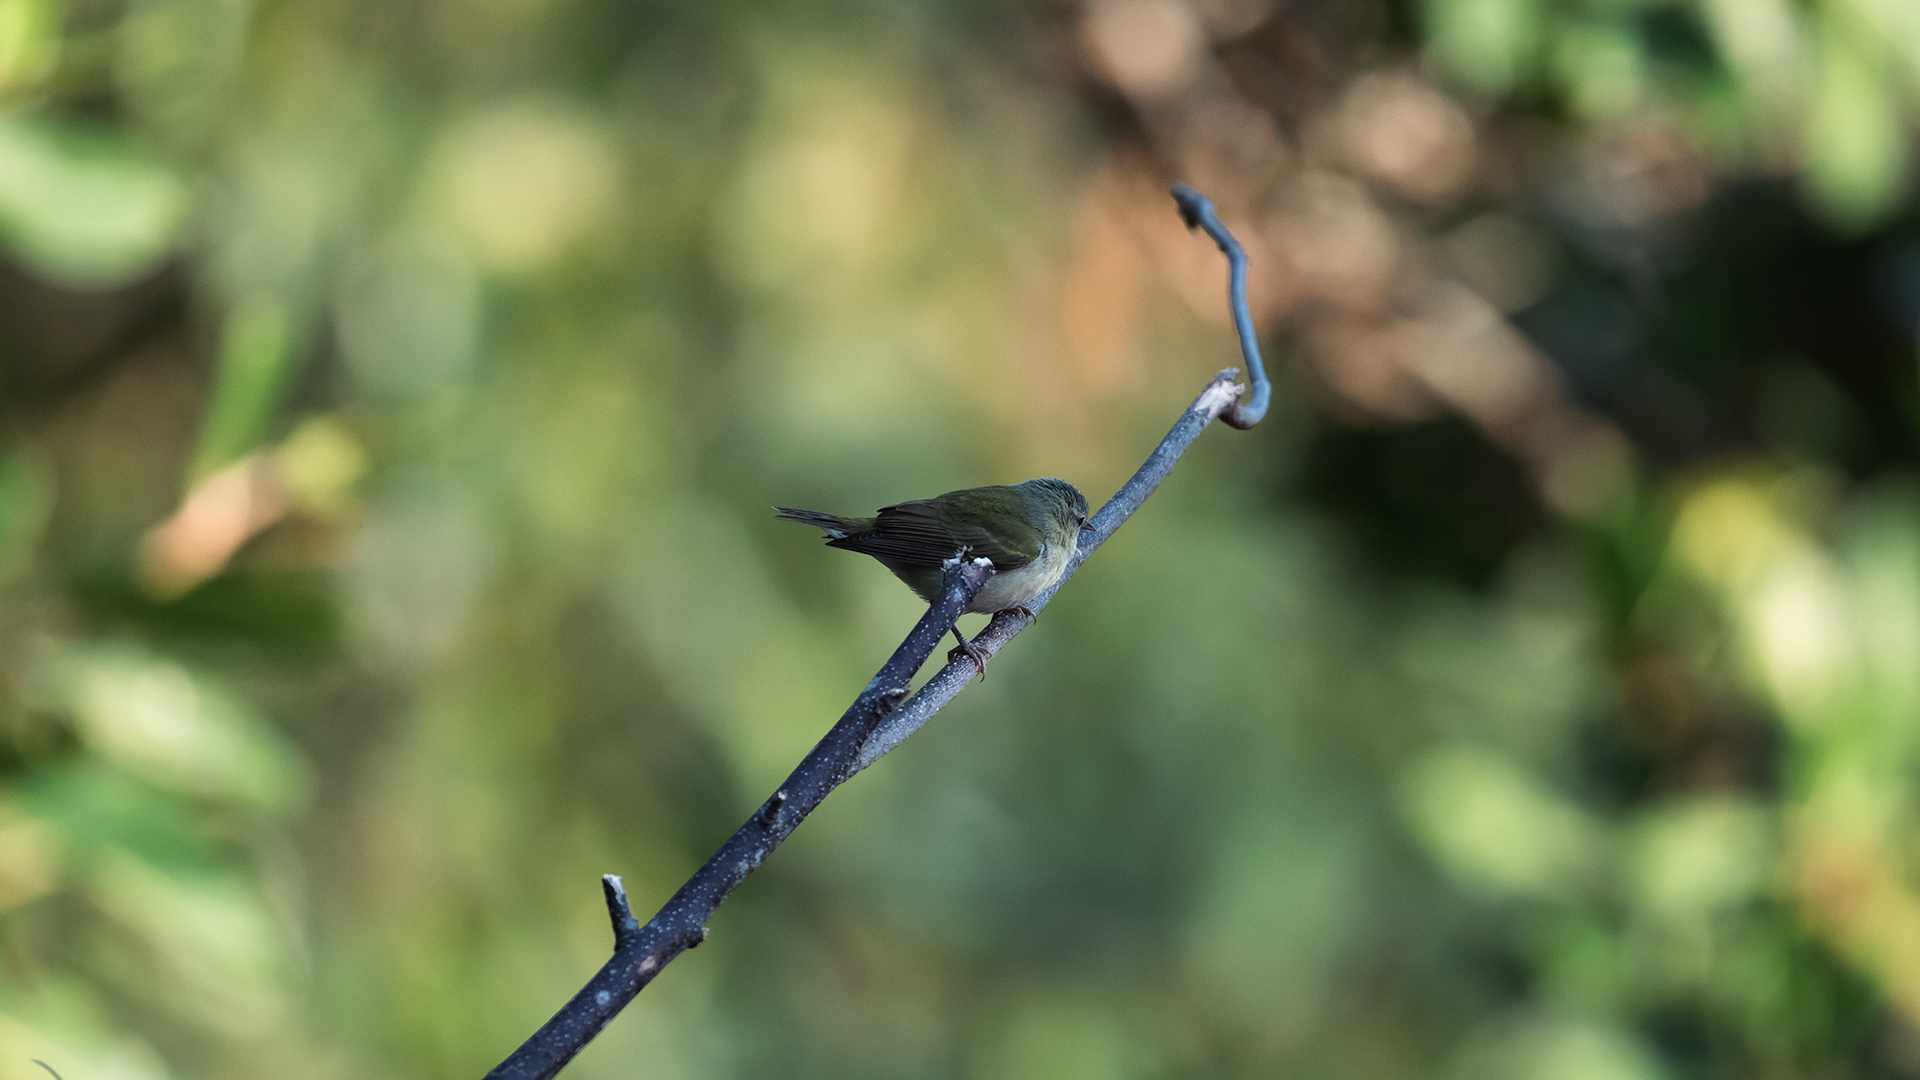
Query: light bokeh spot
point(525, 182)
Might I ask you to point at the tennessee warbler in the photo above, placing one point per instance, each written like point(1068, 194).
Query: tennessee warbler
point(1027, 530)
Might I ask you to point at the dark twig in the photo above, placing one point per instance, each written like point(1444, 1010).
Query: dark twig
point(641, 951)
point(878, 721)
point(1197, 211)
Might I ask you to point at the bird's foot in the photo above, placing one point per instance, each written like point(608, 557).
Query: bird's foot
point(971, 651)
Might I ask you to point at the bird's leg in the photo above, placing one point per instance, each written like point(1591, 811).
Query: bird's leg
point(972, 652)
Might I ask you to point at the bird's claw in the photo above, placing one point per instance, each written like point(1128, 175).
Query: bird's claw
point(972, 652)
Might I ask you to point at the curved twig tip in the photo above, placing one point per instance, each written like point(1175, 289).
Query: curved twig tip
point(1190, 202)
point(1197, 211)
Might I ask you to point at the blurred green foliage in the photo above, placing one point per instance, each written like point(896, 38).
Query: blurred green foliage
point(392, 397)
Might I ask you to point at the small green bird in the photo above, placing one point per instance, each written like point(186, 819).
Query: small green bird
point(1027, 530)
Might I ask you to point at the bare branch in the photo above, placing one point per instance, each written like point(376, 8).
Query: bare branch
point(877, 721)
point(641, 951)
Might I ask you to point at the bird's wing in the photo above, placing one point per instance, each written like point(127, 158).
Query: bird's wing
point(924, 533)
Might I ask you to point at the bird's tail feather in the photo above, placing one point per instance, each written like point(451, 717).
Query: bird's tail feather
point(834, 525)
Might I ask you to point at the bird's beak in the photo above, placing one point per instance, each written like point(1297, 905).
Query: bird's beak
point(1086, 526)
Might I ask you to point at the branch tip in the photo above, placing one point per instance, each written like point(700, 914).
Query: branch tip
point(1219, 397)
point(1189, 201)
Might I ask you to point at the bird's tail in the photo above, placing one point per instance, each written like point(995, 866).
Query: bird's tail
point(834, 525)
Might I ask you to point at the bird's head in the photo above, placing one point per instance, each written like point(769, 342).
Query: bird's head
point(1056, 501)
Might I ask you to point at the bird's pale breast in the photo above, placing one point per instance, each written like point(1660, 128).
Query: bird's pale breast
point(1011, 588)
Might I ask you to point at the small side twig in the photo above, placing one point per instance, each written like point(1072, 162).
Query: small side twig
point(878, 720)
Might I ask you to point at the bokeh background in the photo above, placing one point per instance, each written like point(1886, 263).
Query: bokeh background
point(392, 397)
